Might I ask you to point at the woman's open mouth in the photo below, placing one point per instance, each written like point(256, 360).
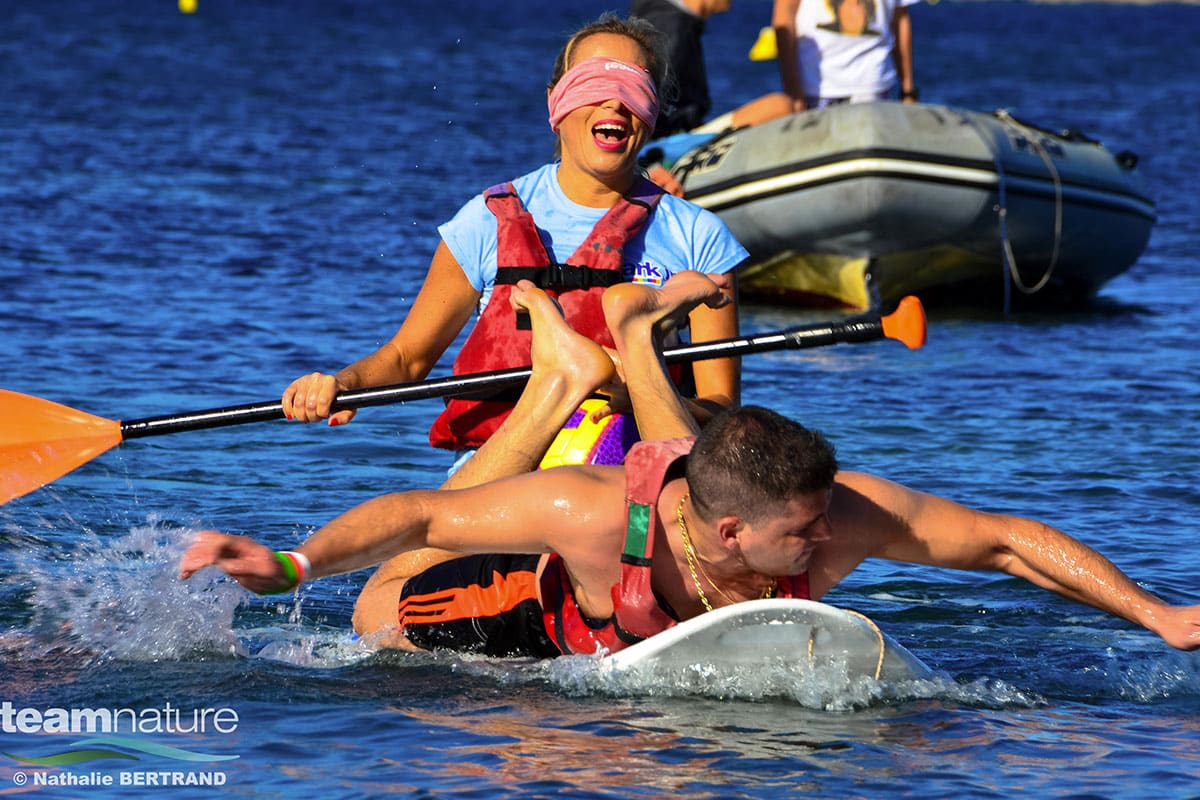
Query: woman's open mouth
point(610, 134)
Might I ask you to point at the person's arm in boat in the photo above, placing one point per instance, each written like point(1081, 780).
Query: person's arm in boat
point(900, 524)
point(783, 20)
point(441, 310)
point(902, 53)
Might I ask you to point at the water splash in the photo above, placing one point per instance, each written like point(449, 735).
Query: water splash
point(302, 644)
point(825, 687)
point(121, 598)
point(1141, 675)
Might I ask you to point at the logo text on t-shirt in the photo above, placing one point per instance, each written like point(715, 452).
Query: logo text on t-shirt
point(646, 274)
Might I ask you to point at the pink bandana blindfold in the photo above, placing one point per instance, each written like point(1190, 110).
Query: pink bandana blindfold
point(596, 80)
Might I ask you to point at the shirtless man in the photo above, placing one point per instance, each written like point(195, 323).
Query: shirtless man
point(757, 509)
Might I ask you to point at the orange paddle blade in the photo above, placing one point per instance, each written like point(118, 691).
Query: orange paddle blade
point(906, 323)
point(41, 441)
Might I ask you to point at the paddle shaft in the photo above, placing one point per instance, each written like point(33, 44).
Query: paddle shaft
point(487, 383)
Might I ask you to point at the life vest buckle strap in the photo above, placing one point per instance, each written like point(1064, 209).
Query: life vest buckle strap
point(560, 277)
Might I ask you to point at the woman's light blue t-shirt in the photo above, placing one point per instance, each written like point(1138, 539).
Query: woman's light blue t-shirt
point(679, 236)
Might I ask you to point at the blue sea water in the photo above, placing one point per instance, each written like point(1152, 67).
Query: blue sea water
point(197, 208)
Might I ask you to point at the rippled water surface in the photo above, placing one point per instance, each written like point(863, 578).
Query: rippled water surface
point(198, 208)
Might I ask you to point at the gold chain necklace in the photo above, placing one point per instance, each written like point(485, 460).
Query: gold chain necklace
point(693, 562)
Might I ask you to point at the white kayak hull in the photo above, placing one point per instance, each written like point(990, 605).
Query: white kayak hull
point(761, 632)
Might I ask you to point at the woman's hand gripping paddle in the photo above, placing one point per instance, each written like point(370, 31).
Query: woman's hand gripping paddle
point(40, 441)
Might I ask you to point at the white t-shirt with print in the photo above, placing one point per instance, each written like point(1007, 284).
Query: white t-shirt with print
point(845, 46)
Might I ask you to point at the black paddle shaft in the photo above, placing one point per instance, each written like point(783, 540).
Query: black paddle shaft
point(489, 383)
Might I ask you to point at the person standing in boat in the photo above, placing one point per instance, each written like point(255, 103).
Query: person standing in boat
point(573, 226)
point(583, 558)
point(682, 22)
point(844, 51)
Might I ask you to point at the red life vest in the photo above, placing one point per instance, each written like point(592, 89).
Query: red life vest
point(498, 340)
point(636, 611)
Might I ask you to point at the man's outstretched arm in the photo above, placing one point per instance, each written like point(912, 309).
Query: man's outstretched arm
point(532, 513)
point(926, 529)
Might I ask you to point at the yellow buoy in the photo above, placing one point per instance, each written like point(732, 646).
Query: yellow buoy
point(187, 6)
point(764, 48)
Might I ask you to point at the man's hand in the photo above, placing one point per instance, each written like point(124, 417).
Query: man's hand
point(1179, 626)
point(251, 564)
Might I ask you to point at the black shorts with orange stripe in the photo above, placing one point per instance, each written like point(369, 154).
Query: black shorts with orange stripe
point(477, 604)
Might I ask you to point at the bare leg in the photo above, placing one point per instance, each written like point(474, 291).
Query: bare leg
point(755, 112)
point(639, 317)
point(567, 368)
point(761, 109)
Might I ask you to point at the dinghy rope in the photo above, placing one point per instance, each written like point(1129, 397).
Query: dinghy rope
point(871, 624)
point(1008, 258)
point(1019, 127)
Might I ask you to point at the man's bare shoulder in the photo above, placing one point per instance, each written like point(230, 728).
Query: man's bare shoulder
point(866, 513)
point(856, 492)
point(871, 509)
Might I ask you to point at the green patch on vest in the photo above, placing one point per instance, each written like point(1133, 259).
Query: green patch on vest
point(637, 530)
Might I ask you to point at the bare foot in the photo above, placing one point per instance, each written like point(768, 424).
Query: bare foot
point(635, 312)
point(559, 354)
point(567, 369)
